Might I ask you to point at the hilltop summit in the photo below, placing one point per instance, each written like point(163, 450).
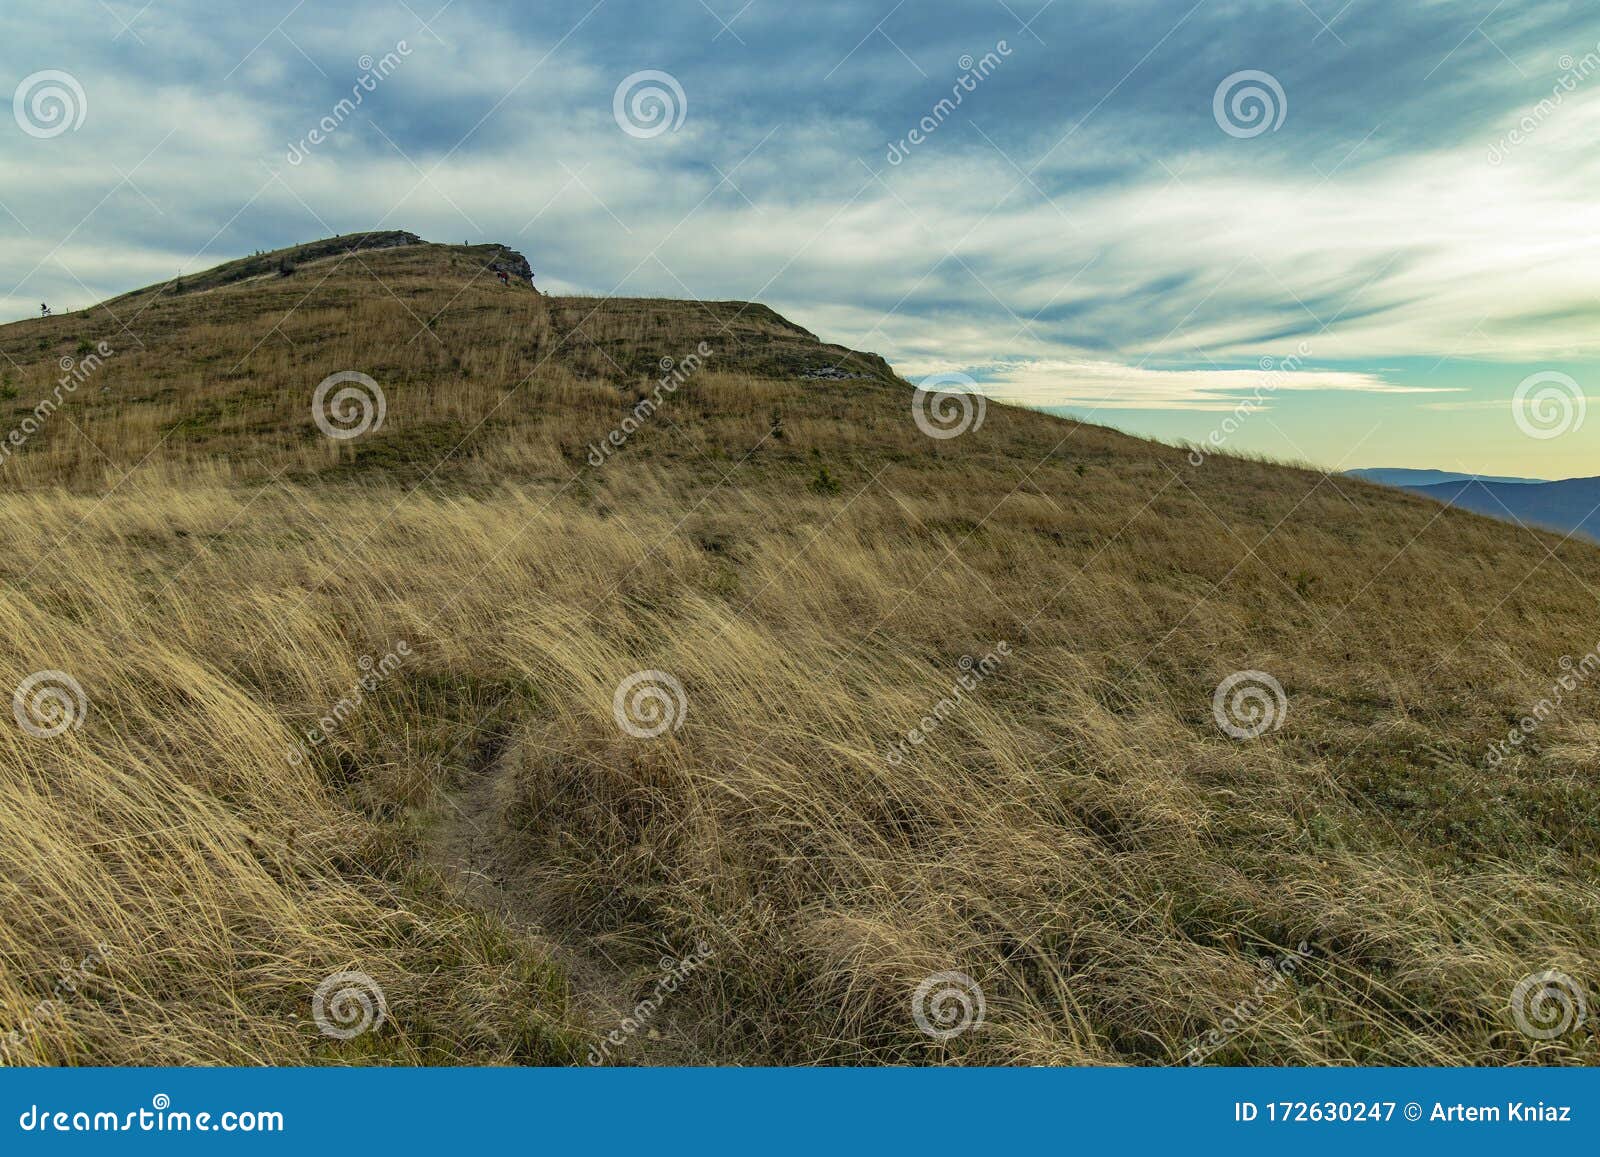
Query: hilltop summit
point(314, 255)
point(226, 360)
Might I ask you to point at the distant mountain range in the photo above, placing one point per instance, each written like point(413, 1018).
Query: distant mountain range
point(1411, 478)
point(1571, 506)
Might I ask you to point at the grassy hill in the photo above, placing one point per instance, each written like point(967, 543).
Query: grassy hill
point(352, 704)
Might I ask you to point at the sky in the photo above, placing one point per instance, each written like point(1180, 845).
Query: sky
point(1348, 233)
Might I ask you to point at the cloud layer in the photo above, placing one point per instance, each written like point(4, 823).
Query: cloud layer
point(1041, 192)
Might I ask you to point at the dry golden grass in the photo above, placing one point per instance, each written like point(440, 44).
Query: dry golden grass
point(1077, 835)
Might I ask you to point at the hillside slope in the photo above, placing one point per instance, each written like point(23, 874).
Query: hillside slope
point(923, 706)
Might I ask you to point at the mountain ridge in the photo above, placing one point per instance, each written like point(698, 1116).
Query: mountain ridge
point(1570, 506)
point(1408, 477)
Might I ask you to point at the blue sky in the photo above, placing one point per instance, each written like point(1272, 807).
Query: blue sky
point(1096, 227)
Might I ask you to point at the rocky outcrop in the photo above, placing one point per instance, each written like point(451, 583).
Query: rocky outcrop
point(513, 264)
point(829, 374)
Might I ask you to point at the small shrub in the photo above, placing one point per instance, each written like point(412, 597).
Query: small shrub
point(823, 482)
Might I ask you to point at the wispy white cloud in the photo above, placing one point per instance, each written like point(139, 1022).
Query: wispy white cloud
point(1111, 385)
